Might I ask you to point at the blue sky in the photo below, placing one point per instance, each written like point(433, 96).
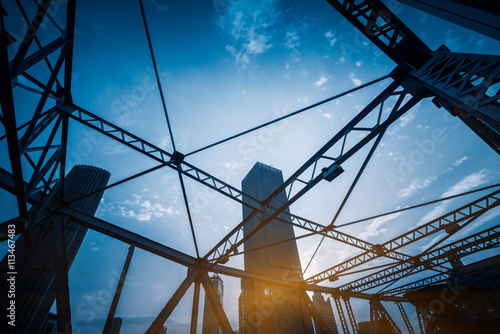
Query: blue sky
point(226, 66)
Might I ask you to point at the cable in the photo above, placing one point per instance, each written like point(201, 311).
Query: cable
point(419, 205)
point(156, 72)
point(292, 114)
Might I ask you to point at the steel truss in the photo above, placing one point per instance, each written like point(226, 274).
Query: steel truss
point(378, 314)
point(464, 84)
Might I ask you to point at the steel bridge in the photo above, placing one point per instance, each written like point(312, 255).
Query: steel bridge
point(464, 84)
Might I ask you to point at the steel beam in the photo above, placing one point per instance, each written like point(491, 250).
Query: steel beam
point(381, 313)
point(68, 65)
point(9, 122)
point(422, 321)
point(40, 55)
point(439, 224)
point(30, 34)
point(157, 324)
point(152, 151)
point(405, 318)
point(127, 236)
point(480, 16)
point(374, 20)
point(350, 314)
point(196, 306)
point(236, 238)
point(156, 248)
point(313, 311)
point(216, 305)
point(340, 311)
point(486, 239)
point(23, 142)
point(467, 82)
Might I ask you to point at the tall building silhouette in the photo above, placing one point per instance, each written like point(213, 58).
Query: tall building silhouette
point(210, 323)
point(35, 287)
point(265, 308)
point(324, 307)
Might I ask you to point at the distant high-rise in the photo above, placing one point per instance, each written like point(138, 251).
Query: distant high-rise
point(116, 325)
point(266, 308)
point(210, 323)
point(324, 307)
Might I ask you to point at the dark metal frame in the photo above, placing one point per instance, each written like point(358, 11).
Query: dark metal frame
point(450, 78)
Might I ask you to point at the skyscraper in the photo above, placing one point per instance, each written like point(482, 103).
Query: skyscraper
point(210, 323)
point(266, 308)
point(324, 307)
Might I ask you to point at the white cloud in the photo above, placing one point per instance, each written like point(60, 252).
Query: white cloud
point(467, 183)
point(355, 81)
point(239, 56)
point(321, 81)
point(407, 118)
point(327, 115)
point(257, 44)
point(160, 5)
point(375, 228)
point(144, 210)
point(438, 211)
point(292, 40)
point(460, 161)
point(249, 23)
point(342, 60)
point(94, 247)
point(331, 39)
point(359, 63)
point(416, 185)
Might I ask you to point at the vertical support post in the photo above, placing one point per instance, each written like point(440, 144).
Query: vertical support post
point(68, 66)
point(118, 292)
point(405, 318)
point(196, 306)
point(350, 314)
point(173, 301)
point(343, 322)
point(64, 146)
point(374, 325)
point(216, 305)
point(381, 313)
point(9, 123)
point(422, 321)
point(61, 276)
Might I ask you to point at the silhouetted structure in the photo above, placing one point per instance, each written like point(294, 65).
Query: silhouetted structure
point(35, 283)
point(210, 323)
point(464, 84)
point(469, 302)
point(267, 308)
point(324, 307)
point(477, 15)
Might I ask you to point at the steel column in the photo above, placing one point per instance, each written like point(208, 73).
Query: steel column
point(215, 304)
point(118, 291)
point(157, 324)
point(343, 322)
point(350, 314)
point(196, 306)
point(405, 318)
